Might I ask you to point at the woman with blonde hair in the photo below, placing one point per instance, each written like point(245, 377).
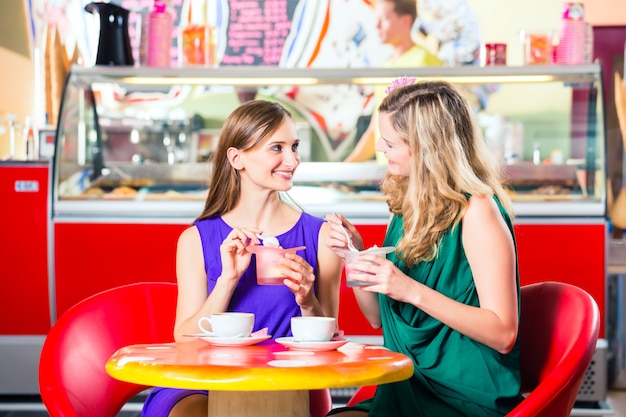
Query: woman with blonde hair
point(448, 297)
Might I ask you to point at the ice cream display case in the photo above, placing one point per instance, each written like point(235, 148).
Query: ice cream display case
point(144, 136)
point(132, 163)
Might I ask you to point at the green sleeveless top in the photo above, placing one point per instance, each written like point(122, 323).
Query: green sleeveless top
point(454, 375)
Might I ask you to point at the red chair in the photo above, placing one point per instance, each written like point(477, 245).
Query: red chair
point(72, 378)
point(559, 329)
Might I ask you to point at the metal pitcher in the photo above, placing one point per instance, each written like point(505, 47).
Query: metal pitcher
point(114, 42)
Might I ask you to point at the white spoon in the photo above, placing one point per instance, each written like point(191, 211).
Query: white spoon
point(269, 241)
point(345, 232)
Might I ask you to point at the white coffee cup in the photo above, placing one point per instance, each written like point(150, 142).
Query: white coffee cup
point(313, 328)
point(228, 324)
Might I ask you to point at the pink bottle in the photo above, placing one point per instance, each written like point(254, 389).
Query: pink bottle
point(159, 35)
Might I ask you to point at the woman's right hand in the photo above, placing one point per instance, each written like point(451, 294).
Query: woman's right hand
point(235, 257)
point(336, 238)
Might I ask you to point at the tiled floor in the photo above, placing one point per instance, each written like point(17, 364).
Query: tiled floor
point(31, 406)
point(615, 405)
point(31, 413)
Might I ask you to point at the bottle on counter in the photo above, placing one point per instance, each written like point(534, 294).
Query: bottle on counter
point(11, 118)
point(159, 35)
point(536, 153)
point(30, 140)
point(197, 37)
point(143, 38)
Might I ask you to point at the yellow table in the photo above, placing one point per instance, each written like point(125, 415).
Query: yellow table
point(262, 380)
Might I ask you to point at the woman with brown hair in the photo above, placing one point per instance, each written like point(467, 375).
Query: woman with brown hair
point(252, 168)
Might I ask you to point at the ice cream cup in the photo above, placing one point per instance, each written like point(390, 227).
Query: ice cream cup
point(268, 263)
point(351, 258)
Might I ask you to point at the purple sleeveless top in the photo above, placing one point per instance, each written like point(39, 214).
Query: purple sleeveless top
point(273, 305)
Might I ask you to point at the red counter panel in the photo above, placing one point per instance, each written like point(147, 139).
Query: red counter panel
point(92, 257)
point(351, 321)
point(572, 253)
point(24, 305)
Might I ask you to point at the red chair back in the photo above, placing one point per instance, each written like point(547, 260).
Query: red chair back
point(72, 378)
point(559, 328)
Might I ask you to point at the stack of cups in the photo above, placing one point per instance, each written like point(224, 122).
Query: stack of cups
point(571, 49)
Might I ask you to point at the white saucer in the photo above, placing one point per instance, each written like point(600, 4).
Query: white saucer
point(231, 341)
point(291, 343)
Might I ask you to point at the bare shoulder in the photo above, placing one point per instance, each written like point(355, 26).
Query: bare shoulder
point(324, 229)
point(322, 249)
point(189, 236)
point(481, 209)
point(321, 238)
point(483, 222)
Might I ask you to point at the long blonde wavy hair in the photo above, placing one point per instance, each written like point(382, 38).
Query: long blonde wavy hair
point(450, 162)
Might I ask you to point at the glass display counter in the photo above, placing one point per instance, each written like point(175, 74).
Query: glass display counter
point(137, 142)
point(134, 147)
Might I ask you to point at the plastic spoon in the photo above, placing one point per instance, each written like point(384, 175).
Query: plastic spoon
point(345, 232)
point(269, 241)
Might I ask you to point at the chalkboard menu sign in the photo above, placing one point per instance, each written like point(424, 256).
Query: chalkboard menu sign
point(256, 31)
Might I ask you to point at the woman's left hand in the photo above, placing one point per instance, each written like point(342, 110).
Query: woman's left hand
point(300, 278)
point(381, 276)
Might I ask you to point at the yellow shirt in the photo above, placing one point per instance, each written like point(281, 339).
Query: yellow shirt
point(415, 57)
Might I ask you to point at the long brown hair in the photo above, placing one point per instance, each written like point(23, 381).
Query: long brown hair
point(450, 162)
point(246, 127)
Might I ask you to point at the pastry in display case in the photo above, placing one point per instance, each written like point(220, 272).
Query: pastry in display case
point(145, 136)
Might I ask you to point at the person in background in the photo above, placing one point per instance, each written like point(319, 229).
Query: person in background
point(452, 29)
point(253, 165)
point(394, 22)
point(448, 297)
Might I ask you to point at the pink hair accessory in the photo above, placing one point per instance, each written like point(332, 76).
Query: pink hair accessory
point(399, 82)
